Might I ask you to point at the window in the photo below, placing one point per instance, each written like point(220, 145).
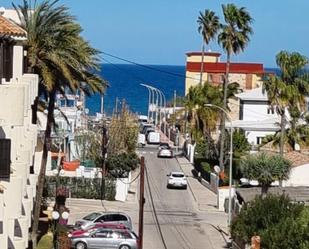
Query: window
point(5, 158)
point(209, 77)
point(270, 110)
point(259, 140)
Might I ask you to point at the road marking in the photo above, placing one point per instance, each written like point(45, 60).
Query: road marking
point(151, 152)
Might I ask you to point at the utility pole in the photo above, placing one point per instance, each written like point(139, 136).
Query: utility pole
point(174, 110)
point(104, 150)
point(141, 204)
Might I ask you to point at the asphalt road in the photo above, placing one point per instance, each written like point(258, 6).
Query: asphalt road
point(171, 219)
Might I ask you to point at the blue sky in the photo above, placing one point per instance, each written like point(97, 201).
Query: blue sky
point(162, 31)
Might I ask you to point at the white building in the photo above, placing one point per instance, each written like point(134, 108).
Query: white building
point(256, 117)
point(18, 138)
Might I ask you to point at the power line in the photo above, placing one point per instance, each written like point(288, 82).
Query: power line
point(149, 67)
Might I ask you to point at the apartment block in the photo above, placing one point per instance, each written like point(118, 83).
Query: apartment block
point(18, 137)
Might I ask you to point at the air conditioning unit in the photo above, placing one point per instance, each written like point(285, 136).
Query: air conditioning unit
point(5, 158)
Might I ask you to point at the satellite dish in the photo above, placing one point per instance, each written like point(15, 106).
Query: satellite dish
point(217, 169)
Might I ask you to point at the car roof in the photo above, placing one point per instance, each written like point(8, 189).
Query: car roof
point(176, 172)
point(109, 225)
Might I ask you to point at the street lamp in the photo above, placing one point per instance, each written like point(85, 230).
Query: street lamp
point(231, 158)
point(57, 217)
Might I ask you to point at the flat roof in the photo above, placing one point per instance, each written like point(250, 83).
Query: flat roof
point(220, 67)
point(296, 194)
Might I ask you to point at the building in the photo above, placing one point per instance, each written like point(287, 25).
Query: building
point(18, 137)
point(255, 116)
point(247, 75)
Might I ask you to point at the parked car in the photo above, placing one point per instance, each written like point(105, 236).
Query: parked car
point(103, 217)
point(153, 137)
point(85, 232)
point(165, 150)
point(141, 140)
point(177, 180)
point(105, 238)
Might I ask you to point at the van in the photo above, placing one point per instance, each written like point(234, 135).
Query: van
point(142, 119)
point(153, 137)
point(141, 140)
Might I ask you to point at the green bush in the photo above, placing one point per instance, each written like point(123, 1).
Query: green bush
point(119, 165)
point(46, 242)
point(205, 166)
point(277, 220)
point(80, 187)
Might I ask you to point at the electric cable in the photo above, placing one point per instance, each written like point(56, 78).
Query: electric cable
point(149, 67)
point(154, 209)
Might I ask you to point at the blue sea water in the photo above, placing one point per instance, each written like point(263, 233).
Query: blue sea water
point(125, 80)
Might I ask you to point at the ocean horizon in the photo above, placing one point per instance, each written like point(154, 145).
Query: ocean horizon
point(125, 85)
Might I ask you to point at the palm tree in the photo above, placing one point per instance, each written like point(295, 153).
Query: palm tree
point(62, 59)
point(208, 27)
point(203, 120)
point(234, 37)
point(265, 169)
point(288, 91)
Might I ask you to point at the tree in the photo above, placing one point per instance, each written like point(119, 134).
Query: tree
point(123, 132)
point(265, 169)
point(288, 91)
point(208, 27)
point(234, 37)
point(62, 59)
point(276, 219)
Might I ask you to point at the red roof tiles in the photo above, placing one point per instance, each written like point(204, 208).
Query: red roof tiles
point(7, 27)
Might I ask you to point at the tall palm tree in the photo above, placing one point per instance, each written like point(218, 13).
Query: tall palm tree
point(208, 27)
point(62, 59)
point(234, 37)
point(288, 90)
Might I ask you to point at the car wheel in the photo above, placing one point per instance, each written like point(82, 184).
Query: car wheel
point(80, 245)
point(185, 187)
point(124, 247)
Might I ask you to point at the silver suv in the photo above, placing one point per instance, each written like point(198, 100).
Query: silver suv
point(106, 238)
point(104, 217)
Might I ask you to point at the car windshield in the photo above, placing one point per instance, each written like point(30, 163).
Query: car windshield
point(92, 216)
point(177, 175)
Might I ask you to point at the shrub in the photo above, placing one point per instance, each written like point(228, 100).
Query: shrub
point(277, 220)
point(119, 165)
point(46, 242)
point(80, 187)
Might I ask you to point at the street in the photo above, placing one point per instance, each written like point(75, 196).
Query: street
point(172, 218)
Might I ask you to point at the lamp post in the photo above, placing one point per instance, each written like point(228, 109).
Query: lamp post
point(151, 99)
point(56, 218)
point(231, 158)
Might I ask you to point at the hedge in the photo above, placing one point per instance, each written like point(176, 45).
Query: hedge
point(80, 187)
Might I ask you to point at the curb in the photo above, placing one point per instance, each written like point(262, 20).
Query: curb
point(195, 199)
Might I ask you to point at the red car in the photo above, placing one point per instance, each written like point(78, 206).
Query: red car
point(86, 232)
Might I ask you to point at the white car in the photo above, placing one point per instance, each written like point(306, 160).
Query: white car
point(165, 150)
point(177, 180)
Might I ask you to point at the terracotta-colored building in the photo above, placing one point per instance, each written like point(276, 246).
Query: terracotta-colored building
point(247, 75)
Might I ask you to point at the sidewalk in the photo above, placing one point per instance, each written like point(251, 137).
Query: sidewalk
point(206, 200)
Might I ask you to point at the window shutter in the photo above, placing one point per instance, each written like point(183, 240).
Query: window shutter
point(5, 158)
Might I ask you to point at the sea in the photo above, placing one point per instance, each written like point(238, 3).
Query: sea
point(125, 86)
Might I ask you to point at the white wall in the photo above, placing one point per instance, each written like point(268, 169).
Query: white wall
point(122, 188)
point(253, 135)
point(256, 112)
point(299, 176)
